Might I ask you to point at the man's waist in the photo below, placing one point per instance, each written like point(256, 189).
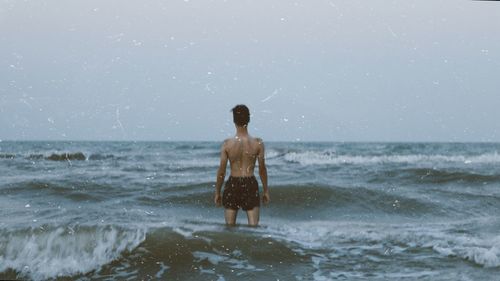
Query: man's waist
point(242, 177)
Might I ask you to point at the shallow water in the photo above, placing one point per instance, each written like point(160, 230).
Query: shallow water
point(339, 211)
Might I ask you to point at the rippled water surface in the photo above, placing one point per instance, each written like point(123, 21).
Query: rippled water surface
point(339, 211)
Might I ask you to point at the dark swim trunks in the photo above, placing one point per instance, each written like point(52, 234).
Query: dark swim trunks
point(241, 192)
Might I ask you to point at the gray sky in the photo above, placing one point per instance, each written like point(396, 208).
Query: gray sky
point(308, 70)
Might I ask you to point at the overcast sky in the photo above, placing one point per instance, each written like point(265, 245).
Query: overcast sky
point(309, 70)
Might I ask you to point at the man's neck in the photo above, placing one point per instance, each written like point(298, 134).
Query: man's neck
point(241, 131)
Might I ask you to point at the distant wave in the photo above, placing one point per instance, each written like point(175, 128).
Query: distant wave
point(7, 156)
point(271, 154)
point(436, 176)
point(99, 156)
point(66, 156)
point(208, 160)
point(328, 158)
point(191, 146)
point(305, 158)
point(35, 156)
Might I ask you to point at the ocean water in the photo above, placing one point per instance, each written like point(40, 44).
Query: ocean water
point(338, 211)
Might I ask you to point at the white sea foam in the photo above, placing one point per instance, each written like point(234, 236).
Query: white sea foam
point(484, 251)
point(322, 158)
point(388, 239)
point(328, 235)
point(270, 153)
point(322, 235)
point(44, 254)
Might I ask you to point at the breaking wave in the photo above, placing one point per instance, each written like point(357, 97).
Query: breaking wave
point(328, 158)
point(49, 252)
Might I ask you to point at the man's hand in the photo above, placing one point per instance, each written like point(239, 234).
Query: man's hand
point(217, 199)
point(266, 198)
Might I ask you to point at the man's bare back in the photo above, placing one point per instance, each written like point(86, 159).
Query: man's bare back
point(241, 189)
point(243, 153)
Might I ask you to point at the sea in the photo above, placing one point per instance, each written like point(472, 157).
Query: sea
point(338, 211)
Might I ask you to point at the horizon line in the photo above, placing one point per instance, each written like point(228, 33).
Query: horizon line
point(268, 141)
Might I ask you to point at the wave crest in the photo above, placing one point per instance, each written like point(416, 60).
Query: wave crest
point(43, 253)
point(328, 158)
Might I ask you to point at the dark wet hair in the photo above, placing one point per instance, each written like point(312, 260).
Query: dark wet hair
point(241, 115)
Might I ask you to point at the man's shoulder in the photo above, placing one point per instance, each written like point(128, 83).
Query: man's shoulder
point(227, 141)
point(258, 140)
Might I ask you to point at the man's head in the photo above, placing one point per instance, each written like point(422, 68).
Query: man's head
point(241, 115)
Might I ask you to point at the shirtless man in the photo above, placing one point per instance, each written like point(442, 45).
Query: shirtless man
point(241, 189)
